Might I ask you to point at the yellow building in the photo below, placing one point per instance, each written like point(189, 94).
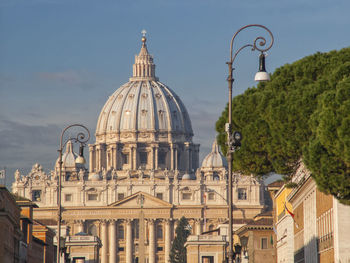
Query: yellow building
point(284, 226)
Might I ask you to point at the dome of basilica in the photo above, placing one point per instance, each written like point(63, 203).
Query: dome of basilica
point(143, 105)
point(144, 125)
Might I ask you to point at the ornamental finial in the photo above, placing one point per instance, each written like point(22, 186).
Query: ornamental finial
point(143, 32)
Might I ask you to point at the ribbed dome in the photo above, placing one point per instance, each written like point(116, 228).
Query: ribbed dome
point(143, 105)
point(215, 159)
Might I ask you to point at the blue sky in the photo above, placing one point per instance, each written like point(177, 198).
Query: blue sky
point(60, 59)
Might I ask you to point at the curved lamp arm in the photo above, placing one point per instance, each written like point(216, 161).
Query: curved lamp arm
point(260, 40)
point(80, 137)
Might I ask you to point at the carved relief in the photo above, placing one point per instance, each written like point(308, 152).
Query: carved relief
point(144, 135)
point(126, 135)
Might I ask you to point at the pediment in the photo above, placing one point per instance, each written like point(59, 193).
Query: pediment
point(141, 199)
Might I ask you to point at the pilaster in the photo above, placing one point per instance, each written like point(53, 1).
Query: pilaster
point(152, 241)
point(167, 239)
point(129, 245)
point(104, 240)
point(112, 241)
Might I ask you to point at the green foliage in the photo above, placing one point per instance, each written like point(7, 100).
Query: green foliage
point(178, 250)
point(302, 113)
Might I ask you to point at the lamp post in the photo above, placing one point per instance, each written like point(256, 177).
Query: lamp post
point(82, 138)
point(234, 138)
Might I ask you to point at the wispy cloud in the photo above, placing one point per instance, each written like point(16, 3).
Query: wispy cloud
point(73, 78)
point(22, 145)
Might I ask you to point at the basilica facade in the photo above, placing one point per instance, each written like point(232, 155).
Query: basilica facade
point(143, 176)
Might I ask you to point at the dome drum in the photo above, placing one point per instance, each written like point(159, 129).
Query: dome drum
point(142, 136)
point(147, 155)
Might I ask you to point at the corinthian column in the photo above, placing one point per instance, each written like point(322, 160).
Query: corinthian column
point(112, 242)
point(152, 242)
point(128, 251)
point(104, 240)
point(167, 239)
point(91, 159)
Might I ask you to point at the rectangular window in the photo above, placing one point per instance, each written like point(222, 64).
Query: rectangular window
point(143, 157)
point(68, 197)
point(242, 194)
point(264, 243)
point(135, 229)
point(159, 248)
point(120, 248)
point(159, 232)
point(24, 226)
point(186, 196)
point(161, 157)
point(120, 196)
point(92, 197)
point(120, 233)
point(159, 196)
point(207, 259)
point(211, 196)
point(125, 158)
point(36, 195)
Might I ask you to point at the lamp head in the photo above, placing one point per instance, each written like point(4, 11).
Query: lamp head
point(80, 159)
point(262, 75)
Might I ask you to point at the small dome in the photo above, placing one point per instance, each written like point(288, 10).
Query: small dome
point(215, 159)
point(186, 177)
point(69, 159)
point(94, 177)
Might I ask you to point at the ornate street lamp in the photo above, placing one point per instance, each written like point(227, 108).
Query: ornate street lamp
point(234, 138)
point(82, 138)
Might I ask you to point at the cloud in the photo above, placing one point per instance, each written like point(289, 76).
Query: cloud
point(71, 78)
point(23, 145)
